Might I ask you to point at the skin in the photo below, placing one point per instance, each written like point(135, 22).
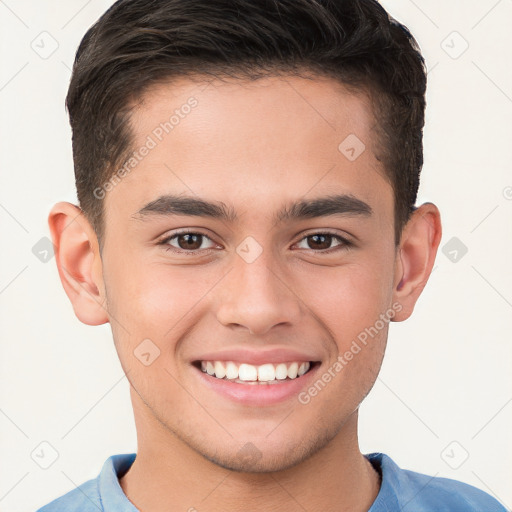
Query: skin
point(254, 146)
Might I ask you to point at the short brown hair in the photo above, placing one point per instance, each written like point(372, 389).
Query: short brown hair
point(138, 43)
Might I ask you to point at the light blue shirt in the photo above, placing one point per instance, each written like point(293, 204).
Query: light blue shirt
point(401, 491)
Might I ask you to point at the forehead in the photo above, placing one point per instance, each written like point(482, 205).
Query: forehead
point(252, 143)
point(236, 108)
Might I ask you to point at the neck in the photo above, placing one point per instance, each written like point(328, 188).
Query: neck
point(167, 471)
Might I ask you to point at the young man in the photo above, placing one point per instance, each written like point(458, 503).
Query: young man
point(247, 172)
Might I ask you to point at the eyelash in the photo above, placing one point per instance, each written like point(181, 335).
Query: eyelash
point(343, 245)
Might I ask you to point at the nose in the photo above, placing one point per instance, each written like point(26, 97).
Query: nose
point(257, 297)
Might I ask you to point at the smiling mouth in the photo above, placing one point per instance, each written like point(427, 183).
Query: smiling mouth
point(265, 374)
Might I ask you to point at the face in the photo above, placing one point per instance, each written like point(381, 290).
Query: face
point(290, 265)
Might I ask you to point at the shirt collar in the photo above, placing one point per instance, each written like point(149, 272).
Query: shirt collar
point(111, 493)
point(386, 500)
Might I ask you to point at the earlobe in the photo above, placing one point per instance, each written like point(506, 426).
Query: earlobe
point(415, 257)
point(78, 262)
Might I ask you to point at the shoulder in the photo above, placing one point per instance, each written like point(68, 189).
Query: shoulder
point(412, 491)
point(98, 494)
point(84, 498)
point(445, 494)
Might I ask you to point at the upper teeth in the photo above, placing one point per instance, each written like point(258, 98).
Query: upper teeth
point(248, 372)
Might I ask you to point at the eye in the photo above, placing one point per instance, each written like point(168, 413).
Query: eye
point(322, 242)
point(191, 242)
point(186, 241)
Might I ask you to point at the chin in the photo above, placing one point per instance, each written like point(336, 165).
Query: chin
point(257, 463)
point(250, 459)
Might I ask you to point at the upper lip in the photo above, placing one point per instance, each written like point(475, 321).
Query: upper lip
point(259, 357)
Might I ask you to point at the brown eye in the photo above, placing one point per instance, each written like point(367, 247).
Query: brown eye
point(323, 242)
point(319, 241)
point(187, 242)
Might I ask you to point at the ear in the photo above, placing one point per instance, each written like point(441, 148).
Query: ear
point(78, 262)
point(415, 257)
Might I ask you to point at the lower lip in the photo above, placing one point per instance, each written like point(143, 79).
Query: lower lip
point(258, 394)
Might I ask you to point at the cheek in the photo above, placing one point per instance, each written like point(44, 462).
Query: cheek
point(348, 303)
point(350, 298)
point(160, 304)
point(151, 298)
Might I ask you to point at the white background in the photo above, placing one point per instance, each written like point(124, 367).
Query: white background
point(447, 373)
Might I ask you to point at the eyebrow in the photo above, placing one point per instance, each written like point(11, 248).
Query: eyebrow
point(339, 204)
